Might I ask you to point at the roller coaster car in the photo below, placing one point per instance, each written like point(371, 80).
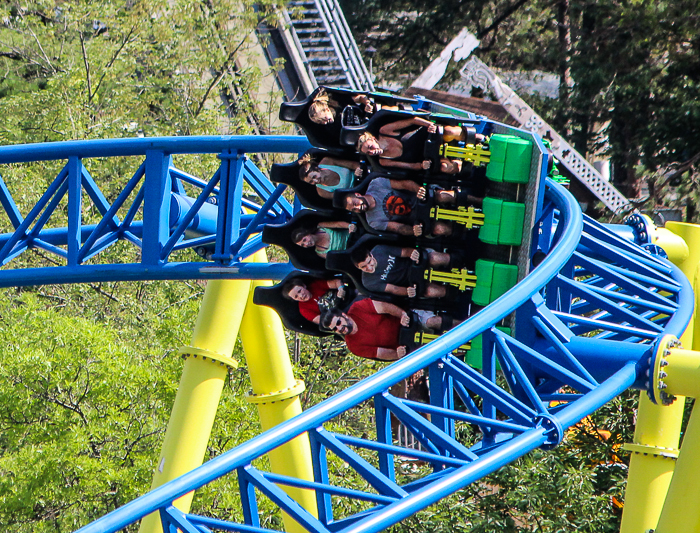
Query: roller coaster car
point(302, 258)
point(427, 212)
point(420, 275)
point(307, 193)
point(472, 154)
point(288, 310)
point(328, 135)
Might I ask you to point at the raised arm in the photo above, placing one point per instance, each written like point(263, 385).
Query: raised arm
point(345, 163)
point(394, 127)
point(406, 185)
point(385, 162)
point(335, 224)
point(388, 354)
point(397, 290)
point(323, 193)
point(335, 283)
point(401, 229)
point(386, 308)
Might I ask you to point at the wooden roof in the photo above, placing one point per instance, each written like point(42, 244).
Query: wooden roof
point(492, 110)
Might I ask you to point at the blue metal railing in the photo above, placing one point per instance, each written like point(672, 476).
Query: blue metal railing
point(587, 318)
point(376, 384)
point(534, 422)
point(156, 215)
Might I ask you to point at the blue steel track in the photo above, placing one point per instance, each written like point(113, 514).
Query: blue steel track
point(588, 319)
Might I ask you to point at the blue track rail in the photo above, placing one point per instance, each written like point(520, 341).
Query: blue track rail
point(597, 305)
point(586, 322)
point(161, 210)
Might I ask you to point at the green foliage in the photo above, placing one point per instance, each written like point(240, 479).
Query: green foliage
point(633, 92)
point(91, 70)
point(409, 34)
point(82, 412)
point(91, 370)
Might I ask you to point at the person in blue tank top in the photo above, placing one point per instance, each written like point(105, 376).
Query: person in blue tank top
point(324, 237)
point(328, 174)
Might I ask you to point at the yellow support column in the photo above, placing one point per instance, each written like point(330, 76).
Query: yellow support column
point(690, 233)
point(276, 393)
point(651, 465)
point(681, 513)
point(205, 370)
point(657, 433)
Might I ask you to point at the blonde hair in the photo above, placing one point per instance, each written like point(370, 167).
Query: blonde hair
point(366, 136)
point(321, 102)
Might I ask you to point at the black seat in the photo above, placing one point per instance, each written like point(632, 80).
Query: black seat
point(288, 310)
point(423, 211)
point(349, 136)
point(320, 135)
point(302, 258)
point(288, 174)
point(328, 136)
point(342, 262)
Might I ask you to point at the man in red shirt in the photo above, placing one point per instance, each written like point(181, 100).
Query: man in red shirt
point(371, 328)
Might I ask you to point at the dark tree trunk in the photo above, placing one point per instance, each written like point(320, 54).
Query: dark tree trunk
point(565, 79)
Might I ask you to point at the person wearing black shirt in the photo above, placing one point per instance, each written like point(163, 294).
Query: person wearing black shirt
point(392, 269)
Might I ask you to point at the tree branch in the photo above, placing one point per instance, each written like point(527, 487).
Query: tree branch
point(46, 58)
point(502, 17)
point(11, 55)
point(682, 169)
point(222, 73)
point(127, 39)
point(87, 66)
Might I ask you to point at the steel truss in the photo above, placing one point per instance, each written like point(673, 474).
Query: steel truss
point(153, 212)
point(587, 318)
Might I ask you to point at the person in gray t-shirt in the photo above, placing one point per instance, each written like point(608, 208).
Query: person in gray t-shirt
point(390, 205)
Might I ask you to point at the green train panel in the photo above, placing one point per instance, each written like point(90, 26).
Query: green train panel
point(510, 159)
point(492, 280)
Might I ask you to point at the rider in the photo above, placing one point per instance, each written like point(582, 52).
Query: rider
point(391, 269)
point(401, 144)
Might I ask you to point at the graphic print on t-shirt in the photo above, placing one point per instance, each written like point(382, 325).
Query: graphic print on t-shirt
point(397, 205)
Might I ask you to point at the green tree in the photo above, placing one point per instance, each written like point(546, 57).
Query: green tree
point(91, 70)
point(82, 412)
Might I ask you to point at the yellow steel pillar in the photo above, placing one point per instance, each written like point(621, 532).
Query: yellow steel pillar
point(652, 462)
point(276, 394)
point(690, 233)
point(207, 360)
point(681, 512)
point(657, 432)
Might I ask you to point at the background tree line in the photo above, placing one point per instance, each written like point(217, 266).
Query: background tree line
point(629, 72)
point(89, 372)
